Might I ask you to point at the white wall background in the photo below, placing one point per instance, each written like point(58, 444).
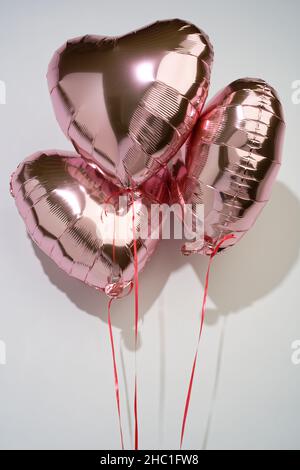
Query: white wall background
point(56, 389)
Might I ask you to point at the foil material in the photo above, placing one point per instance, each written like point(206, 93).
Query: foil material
point(232, 161)
point(73, 214)
point(128, 103)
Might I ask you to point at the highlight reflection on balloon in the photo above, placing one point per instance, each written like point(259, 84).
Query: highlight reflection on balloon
point(232, 161)
point(128, 103)
point(74, 216)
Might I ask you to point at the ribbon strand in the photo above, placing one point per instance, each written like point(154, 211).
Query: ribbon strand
point(117, 389)
point(136, 320)
point(203, 310)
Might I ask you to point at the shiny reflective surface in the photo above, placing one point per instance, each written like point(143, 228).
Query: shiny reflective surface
point(232, 161)
point(128, 103)
point(74, 216)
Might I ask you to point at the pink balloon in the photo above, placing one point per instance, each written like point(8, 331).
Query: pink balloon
point(73, 214)
point(231, 162)
point(128, 103)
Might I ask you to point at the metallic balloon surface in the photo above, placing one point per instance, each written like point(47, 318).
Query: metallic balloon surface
point(74, 216)
point(232, 160)
point(128, 103)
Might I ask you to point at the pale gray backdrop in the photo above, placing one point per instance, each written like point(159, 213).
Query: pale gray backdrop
point(56, 388)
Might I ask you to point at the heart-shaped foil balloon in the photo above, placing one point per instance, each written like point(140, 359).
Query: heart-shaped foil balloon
point(128, 103)
point(74, 215)
point(231, 162)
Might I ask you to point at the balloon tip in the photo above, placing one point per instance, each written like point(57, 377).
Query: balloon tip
point(117, 290)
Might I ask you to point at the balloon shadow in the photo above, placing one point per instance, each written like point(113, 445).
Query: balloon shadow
point(87, 299)
point(242, 275)
point(260, 261)
point(252, 269)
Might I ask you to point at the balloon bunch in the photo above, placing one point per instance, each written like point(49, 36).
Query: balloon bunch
point(128, 104)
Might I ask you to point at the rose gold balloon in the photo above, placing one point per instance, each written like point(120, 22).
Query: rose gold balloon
point(232, 161)
point(74, 216)
point(128, 103)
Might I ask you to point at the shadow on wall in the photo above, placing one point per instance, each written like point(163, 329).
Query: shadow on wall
point(242, 275)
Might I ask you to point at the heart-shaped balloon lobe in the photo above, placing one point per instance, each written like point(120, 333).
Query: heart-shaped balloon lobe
point(128, 103)
point(232, 160)
point(74, 215)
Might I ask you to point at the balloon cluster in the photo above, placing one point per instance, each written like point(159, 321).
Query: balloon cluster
point(128, 105)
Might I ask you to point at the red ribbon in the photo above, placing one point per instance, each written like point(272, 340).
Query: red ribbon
point(188, 397)
point(136, 320)
point(117, 389)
